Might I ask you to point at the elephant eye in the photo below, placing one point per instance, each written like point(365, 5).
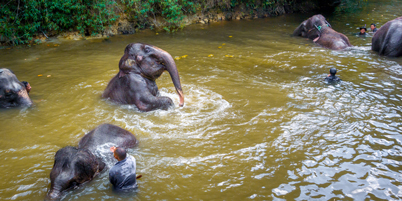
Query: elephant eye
point(147, 50)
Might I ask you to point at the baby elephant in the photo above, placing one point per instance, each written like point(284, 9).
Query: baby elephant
point(74, 166)
point(135, 84)
point(13, 93)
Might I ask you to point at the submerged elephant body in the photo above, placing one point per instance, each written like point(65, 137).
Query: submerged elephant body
point(12, 92)
point(135, 83)
point(319, 30)
point(387, 40)
point(74, 166)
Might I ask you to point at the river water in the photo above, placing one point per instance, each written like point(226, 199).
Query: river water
point(257, 124)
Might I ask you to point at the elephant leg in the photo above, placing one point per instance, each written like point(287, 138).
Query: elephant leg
point(149, 102)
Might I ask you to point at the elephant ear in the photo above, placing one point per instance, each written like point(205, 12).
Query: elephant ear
point(301, 29)
point(86, 166)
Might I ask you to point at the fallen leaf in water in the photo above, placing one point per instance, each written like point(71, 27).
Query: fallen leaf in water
point(184, 56)
point(176, 58)
point(40, 75)
point(48, 76)
point(156, 33)
point(211, 55)
point(230, 36)
point(48, 45)
point(56, 45)
point(220, 47)
point(223, 43)
point(229, 56)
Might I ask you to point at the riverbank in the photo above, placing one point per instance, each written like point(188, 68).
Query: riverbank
point(30, 22)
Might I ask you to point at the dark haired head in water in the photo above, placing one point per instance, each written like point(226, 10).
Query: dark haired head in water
point(331, 78)
point(362, 31)
point(27, 86)
point(373, 28)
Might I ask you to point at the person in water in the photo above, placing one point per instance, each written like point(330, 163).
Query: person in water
point(123, 175)
point(27, 86)
point(332, 78)
point(363, 31)
point(373, 28)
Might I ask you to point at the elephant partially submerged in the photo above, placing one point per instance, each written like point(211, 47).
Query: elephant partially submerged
point(74, 166)
point(320, 31)
point(135, 84)
point(12, 92)
point(387, 40)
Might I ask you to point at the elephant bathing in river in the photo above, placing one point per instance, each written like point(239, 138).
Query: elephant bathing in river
point(388, 39)
point(74, 166)
point(139, 67)
point(12, 92)
point(319, 30)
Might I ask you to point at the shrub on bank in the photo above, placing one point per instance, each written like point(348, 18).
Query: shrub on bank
point(22, 20)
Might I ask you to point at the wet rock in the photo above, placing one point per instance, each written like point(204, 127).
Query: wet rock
point(70, 35)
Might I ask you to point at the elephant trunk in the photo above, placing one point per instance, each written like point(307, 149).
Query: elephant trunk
point(174, 74)
point(53, 195)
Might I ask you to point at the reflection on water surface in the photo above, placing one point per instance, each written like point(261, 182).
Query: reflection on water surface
point(258, 125)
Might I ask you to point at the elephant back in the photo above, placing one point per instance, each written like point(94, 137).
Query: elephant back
point(107, 133)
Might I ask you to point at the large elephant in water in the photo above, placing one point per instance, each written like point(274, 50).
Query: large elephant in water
point(12, 92)
point(388, 39)
point(139, 67)
point(319, 30)
point(74, 166)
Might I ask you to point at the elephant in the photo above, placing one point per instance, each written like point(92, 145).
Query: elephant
point(12, 92)
point(387, 40)
point(139, 67)
point(76, 165)
point(320, 31)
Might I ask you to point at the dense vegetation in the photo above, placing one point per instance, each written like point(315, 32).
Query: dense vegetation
point(22, 20)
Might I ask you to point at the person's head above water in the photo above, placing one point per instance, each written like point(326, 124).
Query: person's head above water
point(332, 71)
point(363, 30)
point(27, 86)
point(372, 26)
point(118, 153)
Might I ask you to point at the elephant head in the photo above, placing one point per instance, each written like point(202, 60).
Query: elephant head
point(311, 27)
point(12, 91)
point(72, 167)
point(149, 62)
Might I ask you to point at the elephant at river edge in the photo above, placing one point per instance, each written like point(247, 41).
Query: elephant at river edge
point(320, 31)
point(387, 40)
point(12, 92)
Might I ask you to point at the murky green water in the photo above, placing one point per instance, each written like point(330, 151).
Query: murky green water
point(259, 125)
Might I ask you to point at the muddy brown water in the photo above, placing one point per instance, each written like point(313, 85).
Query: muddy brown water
point(260, 125)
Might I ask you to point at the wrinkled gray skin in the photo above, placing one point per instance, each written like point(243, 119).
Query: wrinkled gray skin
point(74, 166)
point(135, 83)
point(387, 40)
point(326, 37)
point(12, 91)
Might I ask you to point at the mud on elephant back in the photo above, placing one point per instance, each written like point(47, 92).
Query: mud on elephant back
point(320, 31)
point(387, 40)
point(12, 92)
point(76, 165)
point(139, 67)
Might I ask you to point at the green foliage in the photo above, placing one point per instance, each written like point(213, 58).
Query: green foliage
point(349, 6)
point(172, 11)
point(20, 20)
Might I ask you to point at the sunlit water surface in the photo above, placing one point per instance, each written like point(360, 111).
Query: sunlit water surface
point(259, 125)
